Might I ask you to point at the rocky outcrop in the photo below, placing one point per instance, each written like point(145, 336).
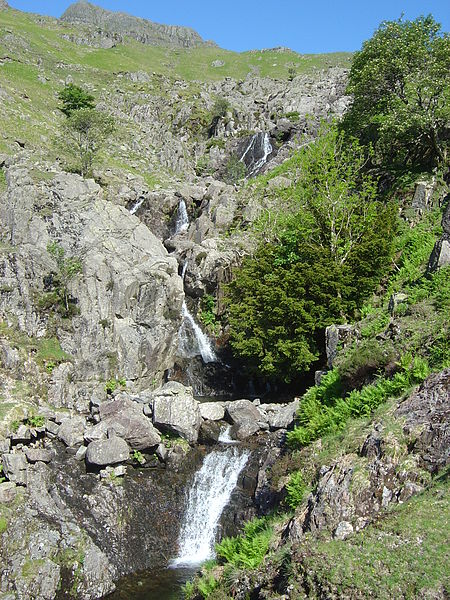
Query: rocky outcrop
point(352, 491)
point(440, 256)
point(126, 299)
point(142, 30)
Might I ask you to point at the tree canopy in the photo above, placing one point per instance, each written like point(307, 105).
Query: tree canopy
point(74, 98)
point(401, 93)
point(320, 265)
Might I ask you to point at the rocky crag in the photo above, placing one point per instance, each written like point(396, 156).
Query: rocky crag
point(121, 25)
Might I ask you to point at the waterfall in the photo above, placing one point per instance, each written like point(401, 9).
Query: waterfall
point(225, 436)
point(182, 222)
point(256, 154)
point(192, 340)
point(137, 205)
point(209, 494)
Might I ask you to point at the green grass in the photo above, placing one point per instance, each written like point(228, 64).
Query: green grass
point(400, 556)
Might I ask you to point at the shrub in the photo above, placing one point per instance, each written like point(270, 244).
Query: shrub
point(74, 98)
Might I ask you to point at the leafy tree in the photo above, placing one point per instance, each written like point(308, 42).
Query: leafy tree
point(401, 92)
point(320, 265)
point(86, 130)
point(67, 268)
point(74, 98)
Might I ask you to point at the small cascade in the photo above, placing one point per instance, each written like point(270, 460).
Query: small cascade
point(137, 205)
point(209, 494)
point(256, 154)
point(192, 340)
point(225, 436)
point(182, 222)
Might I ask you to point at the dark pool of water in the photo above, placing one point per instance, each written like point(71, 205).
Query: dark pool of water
point(157, 584)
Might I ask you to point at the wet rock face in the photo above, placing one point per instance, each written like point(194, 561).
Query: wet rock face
point(127, 297)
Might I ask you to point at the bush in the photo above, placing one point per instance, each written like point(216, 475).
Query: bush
point(85, 131)
point(75, 98)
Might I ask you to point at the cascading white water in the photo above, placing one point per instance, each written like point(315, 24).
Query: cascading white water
point(182, 222)
point(225, 436)
point(259, 146)
point(137, 206)
point(208, 496)
point(192, 340)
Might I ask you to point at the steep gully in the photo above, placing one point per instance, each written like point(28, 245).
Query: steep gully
point(212, 485)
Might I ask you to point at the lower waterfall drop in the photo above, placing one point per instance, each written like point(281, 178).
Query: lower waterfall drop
point(208, 496)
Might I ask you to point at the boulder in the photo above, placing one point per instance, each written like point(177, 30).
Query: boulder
point(209, 433)
point(71, 431)
point(175, 410)
point(440, 255)
point(280, 416)
point(337, 336)
point(38, 455)
point(212, 411)
point(8, 492)
point(240, 411)
point(245, 418)
point(343, 530)
point(22, 435)
point(107, 452)
point(15, 468)
point(126, 418)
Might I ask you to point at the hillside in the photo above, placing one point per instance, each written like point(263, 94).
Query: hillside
point(224, 301)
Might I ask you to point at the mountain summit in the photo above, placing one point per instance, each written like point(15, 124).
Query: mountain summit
point(144, 31)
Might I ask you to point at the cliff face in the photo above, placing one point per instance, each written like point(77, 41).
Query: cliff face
point(142, 30)
point(124, 302)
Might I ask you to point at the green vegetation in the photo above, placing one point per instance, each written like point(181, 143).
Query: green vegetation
point(296, 490)
point(401, 91)
point(404, 555)
point(234, 170)
point(58, 295)
point(331, 242)
point(85, 132)
point(73, 98)
point(247, 550)
point(35, 421)
point(138, 457)
point(114, 383)
point(323, 411)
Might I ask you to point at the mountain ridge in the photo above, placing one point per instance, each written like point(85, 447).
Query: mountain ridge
point(140, 29)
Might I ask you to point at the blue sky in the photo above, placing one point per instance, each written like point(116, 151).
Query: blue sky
point(303, 25)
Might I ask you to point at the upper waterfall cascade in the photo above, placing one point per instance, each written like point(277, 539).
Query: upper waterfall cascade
point(209, 494)
point(182, 221)
point(256, 154)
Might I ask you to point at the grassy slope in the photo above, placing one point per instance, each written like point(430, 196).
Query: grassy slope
point(400, 556)
point(40, 59)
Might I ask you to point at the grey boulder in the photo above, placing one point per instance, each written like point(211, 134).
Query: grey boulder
point(107, 452)
point(126, 418)
point(175, 410)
